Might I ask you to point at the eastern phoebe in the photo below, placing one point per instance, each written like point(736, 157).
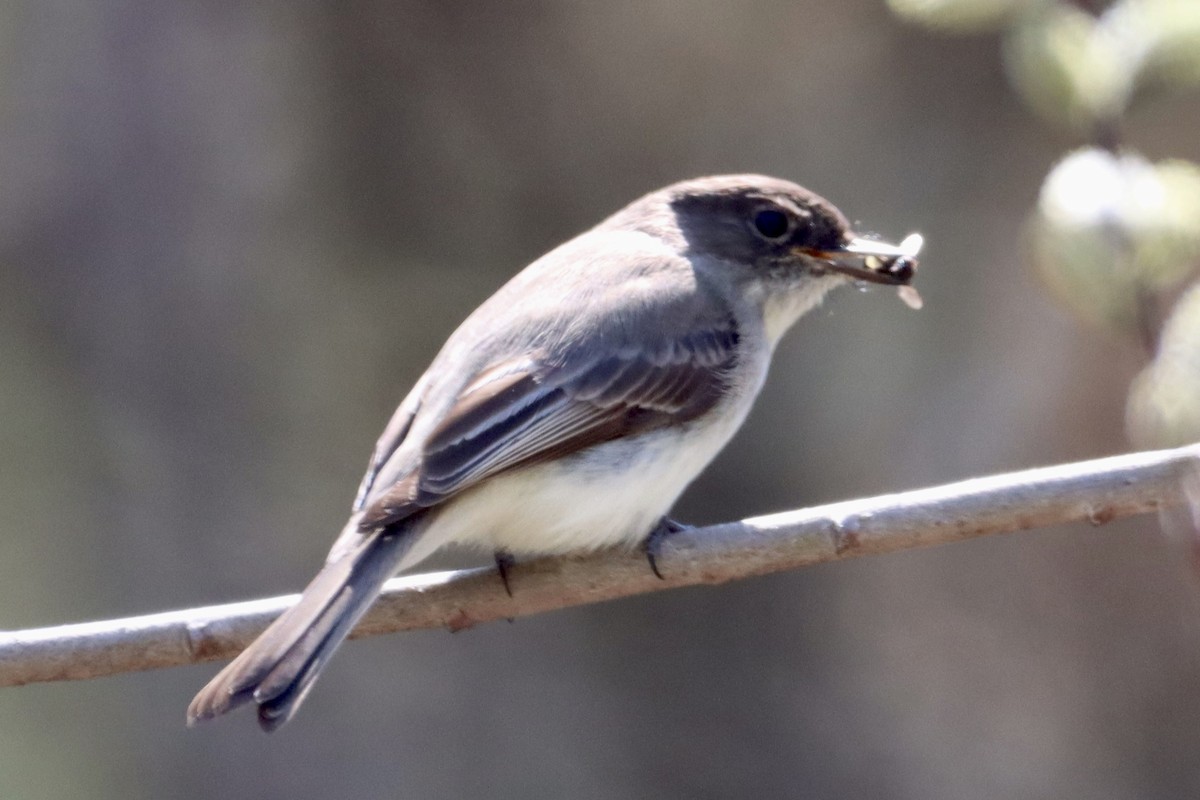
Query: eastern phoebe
point(572, 408)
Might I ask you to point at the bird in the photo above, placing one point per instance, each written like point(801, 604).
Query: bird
point(571, 409)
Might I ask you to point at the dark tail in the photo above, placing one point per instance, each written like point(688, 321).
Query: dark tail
point(279, 667)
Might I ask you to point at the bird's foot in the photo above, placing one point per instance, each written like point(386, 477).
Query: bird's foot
point(504, 562)
point(653, 543)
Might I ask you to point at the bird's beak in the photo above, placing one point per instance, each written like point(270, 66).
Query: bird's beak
point(873, 261)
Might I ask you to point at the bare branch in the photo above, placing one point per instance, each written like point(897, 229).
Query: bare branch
point(1093, 491)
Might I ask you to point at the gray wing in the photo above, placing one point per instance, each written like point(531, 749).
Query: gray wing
point(533, 408)
point(392, 437)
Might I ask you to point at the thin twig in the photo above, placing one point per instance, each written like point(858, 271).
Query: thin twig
point(1092, 491)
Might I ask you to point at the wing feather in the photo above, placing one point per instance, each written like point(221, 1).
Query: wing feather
point(519, 413)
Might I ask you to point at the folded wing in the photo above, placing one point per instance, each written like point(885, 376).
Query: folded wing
point(523, 411)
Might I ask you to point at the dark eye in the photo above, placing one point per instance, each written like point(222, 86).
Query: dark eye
point(772, 224)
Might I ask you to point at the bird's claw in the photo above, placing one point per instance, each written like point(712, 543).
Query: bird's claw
point(504, 562)
point(653, 543)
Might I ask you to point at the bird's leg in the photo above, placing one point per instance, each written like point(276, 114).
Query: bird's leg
point(653, 543)
point(504, 562)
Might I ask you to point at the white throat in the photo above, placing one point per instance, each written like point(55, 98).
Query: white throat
point(781, 309)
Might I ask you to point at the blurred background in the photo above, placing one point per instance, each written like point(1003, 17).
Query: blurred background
point(232, 236)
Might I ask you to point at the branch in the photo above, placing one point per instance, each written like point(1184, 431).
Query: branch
point(1093, 491)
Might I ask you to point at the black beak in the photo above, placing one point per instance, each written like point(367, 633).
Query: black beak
point(872, 261)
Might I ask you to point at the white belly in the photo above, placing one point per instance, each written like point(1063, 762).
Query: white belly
point(611, 495)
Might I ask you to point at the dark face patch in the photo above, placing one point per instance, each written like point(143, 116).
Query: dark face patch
point(757, 225)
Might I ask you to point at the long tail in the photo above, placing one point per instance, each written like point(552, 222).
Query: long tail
point(279, 667)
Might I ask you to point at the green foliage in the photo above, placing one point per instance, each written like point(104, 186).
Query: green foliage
point(1167, 33)
point(1111, 230)
point(1079, 71)
point(1164, 402)
point(1113, 236)
point(963, 15)
point(1068, 67)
